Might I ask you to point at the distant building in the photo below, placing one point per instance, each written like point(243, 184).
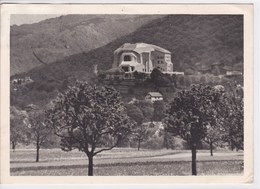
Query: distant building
point(95, 69)
point(215, 68)
point(153, 96)
point(22, 81)
point(142, 57)
point(233, 73)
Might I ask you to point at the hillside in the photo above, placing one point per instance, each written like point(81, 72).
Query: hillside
point(53, 39)
point(196, 42)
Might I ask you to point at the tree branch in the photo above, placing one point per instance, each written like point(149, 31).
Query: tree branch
point(106, 149)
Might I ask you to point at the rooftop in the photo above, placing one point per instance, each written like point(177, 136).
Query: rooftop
point(155, 94)
point(140, 47)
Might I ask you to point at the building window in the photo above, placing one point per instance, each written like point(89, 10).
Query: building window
point(125, 68)
point(127, 58)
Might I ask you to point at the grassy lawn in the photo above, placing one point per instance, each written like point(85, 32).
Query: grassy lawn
point(125, 162)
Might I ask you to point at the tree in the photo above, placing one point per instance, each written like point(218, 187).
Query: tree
point(189, 114)
point(17, 126)
point(135, 113)
point(89, 118)
point(159, 108)
point(216, 132)
point(159, 79)
point(147, 108)
point(214, 136)
point(234, 117)
point(39, 132)
point(141, 134)
point(166, 139)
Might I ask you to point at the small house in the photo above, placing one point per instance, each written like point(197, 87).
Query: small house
point(233, 73)
point(153, 96)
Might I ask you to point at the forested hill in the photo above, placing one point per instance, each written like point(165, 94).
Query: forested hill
point(53, 39)
point(196, 42)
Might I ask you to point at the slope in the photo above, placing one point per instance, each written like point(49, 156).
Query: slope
point(53, 39)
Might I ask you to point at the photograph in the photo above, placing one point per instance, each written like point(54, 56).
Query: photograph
point(129, 94)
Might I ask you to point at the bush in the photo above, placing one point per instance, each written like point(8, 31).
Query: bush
point(154, 143)
point(159, 79)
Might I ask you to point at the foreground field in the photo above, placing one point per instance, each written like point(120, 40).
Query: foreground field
point(125, 162)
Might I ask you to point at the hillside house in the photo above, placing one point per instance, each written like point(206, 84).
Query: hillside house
point(153, 96)
point(21, 81)
point(233, 73)
point(142, 57)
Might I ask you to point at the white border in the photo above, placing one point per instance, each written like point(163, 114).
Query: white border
point(256, 100)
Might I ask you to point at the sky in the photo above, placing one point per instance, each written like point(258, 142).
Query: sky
point(20, 19)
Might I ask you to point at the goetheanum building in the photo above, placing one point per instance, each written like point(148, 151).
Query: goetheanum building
point(142, 57)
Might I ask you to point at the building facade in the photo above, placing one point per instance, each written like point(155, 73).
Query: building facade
point(153, 96)
point(142, 57)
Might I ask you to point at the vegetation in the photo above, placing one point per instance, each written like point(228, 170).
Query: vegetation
point(234, 118)
point(189, 114)
point(88, 118)
point(159, 110)
point(18, 127)
point(38, 132)
point(159, 79)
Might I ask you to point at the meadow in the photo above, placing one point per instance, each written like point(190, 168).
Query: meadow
point(125, 162)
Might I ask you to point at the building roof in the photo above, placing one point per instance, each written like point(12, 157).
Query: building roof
point(140, 47)
point(155, 94)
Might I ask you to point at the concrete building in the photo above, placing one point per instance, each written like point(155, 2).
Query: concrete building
point(142, 57)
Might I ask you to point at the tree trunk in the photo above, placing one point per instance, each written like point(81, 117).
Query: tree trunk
point(90, 165)
point(193, 156)
point(211, 148)
point(166, 144)
point(37, 152)
point(139, 144)
point(13, 146)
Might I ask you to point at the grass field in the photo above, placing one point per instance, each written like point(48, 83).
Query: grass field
point(125, 161)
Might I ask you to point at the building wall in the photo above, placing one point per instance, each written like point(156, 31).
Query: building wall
point(147, 60)
point(153, 99)
point(118, 58)
point(162, 61)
